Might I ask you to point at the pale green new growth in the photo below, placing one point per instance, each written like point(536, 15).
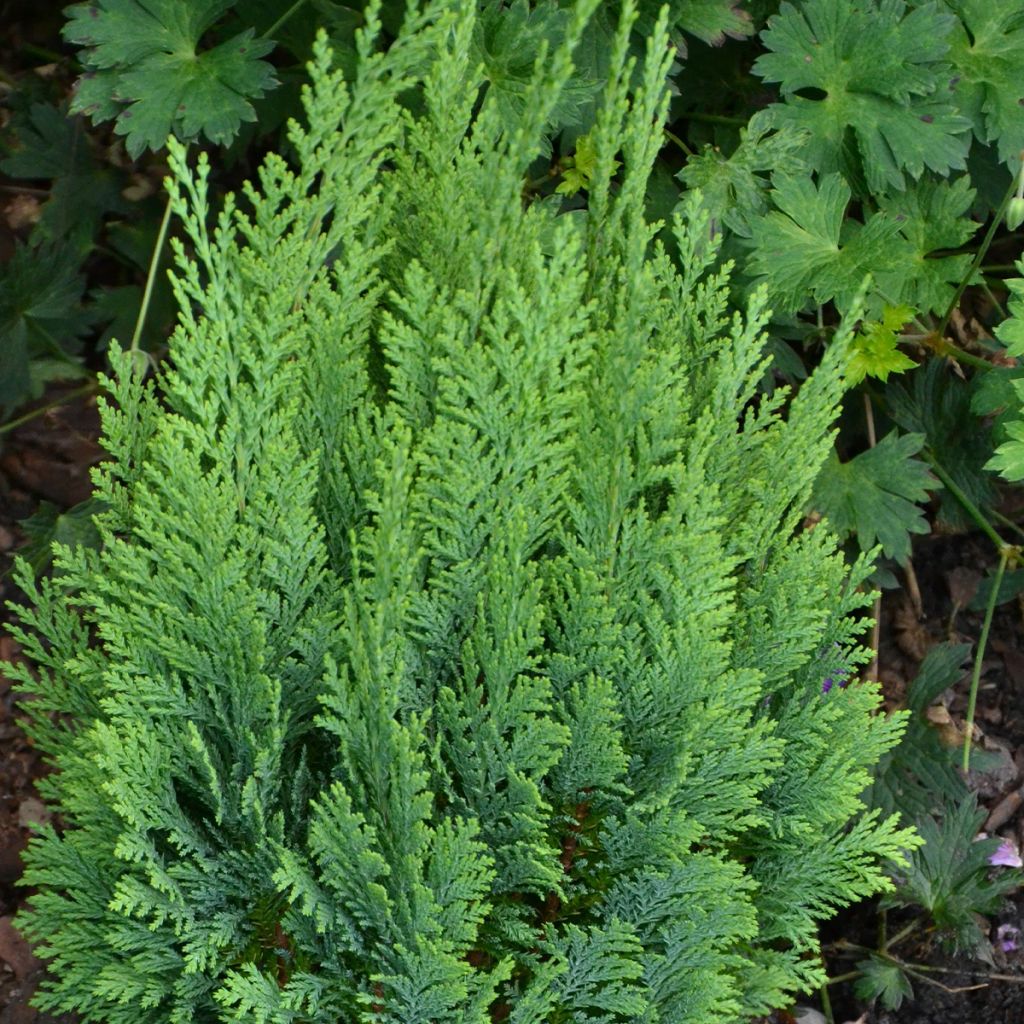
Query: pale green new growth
point(454, 652)
point(1009, 456)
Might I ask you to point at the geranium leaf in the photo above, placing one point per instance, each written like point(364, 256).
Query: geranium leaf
point(1009, 456)
point(876, 347)
point(883, 979)
point(711, 21)
point(987, 53)
point(882, 76)
point(876, 494)
point(53, 147)
point(40, 314)
point(735, 188)
point(153, 77)
point(808, 252)
point(508, 41)
point(932, 216)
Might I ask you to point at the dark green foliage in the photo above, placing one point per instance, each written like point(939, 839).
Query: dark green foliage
point(453, 651)
point(919, 776)
point(876, 494)
point(146, 71)
point(934, 403)
point(50, 316)
point(882, 978)
point(48, 525)
point(881, 74)
point(951, 878)
point(54, 147)
point(42, 321)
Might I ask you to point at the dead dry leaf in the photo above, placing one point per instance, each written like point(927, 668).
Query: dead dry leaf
point(33, 812)
point(912, 635)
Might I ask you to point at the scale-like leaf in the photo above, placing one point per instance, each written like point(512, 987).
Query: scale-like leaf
point(877, 493)
point(877, 73)
point(147, 71)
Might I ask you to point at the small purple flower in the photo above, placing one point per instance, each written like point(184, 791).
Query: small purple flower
point(1008, 937)
point(1006, 856)
point(838, 676)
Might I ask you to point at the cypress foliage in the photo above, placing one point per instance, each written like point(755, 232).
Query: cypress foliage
point(454, 652)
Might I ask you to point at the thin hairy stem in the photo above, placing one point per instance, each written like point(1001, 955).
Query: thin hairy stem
point(979, 257)
point(972, 700)
point(68, 396)
point(154, 263)
point(284, 17)
point(969, 507)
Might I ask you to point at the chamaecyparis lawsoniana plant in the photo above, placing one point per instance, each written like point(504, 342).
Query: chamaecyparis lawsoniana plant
point(453, 652)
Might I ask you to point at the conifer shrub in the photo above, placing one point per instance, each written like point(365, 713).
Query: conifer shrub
point(454, 651)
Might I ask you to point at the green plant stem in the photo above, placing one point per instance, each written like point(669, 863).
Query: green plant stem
point(901, 935)
point(68, 396)
point(696, 115)
point(1007, 522)
point(24, 190)
point(914, 971)
point(991, 298)
point(947, 348)
point(284, 17)
point(154, 262)
point(1016, 978)
point(50, 56)
point(840, 978)
point(969, 507)
point(997, 219)
point(826, 1003)
point(1004, 557)
point(672, 137)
